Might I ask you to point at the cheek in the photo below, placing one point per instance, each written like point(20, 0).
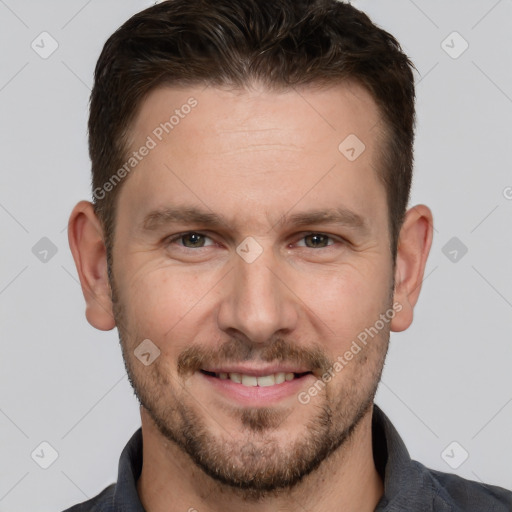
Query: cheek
point(160, 302)
point(347, 300)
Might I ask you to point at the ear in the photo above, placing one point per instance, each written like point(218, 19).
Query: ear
point(414, 245)
point(85, 235)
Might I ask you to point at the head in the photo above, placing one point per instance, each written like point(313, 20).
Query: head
point(251, 164)
point(282, 45)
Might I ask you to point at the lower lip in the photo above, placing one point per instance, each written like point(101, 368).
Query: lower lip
point(258, 395)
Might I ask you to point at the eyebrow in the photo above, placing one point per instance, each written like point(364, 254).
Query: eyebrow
point(342, 216)
point(192, 215)
point(186, 215)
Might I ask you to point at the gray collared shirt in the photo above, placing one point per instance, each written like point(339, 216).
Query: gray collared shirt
point(408, 485)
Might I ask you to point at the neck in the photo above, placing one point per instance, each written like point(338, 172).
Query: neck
point(347, 480)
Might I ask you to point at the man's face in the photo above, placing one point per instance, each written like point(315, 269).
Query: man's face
point(223, 259)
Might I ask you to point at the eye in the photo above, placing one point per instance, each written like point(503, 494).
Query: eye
point(316, 240)
point(191, 240)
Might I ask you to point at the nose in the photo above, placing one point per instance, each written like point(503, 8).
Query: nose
point(257, 302)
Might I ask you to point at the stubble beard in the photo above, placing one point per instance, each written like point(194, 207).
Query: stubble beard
point(259, 466)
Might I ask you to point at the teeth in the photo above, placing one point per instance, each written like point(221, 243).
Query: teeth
point(267, 380)
point(251, 380)
point(280, 378)
point(235, 377)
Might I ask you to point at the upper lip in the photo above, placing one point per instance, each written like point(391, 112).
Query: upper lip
point(257, 371)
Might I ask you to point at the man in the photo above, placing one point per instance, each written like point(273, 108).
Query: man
point(249, 239)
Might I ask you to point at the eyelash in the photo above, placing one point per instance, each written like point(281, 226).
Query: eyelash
point(174, 238)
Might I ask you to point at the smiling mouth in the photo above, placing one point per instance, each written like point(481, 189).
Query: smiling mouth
point(253, 381)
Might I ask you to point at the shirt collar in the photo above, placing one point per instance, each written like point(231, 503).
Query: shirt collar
point(404, 479)
point(126, 498)
point(407, 483)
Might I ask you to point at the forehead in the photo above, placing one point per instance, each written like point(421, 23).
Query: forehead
point(292, 112)
point(256, 149)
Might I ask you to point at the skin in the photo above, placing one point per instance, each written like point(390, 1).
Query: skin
point(255, 157)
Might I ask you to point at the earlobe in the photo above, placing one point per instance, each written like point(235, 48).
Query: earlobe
point(85, 235)
point(413, 248)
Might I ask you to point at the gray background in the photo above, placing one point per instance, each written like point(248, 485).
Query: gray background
point(446, 379)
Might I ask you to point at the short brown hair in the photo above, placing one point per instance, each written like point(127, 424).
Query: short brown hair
point(280, 43)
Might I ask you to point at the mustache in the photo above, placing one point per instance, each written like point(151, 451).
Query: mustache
point(195, 358)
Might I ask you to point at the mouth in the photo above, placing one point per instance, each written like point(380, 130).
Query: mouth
point(257, 380)
point(250, 386)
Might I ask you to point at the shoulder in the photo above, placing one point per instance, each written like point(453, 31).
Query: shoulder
point(409, 485)
point(460, 494)
point(121, 496)
point(103, 502)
